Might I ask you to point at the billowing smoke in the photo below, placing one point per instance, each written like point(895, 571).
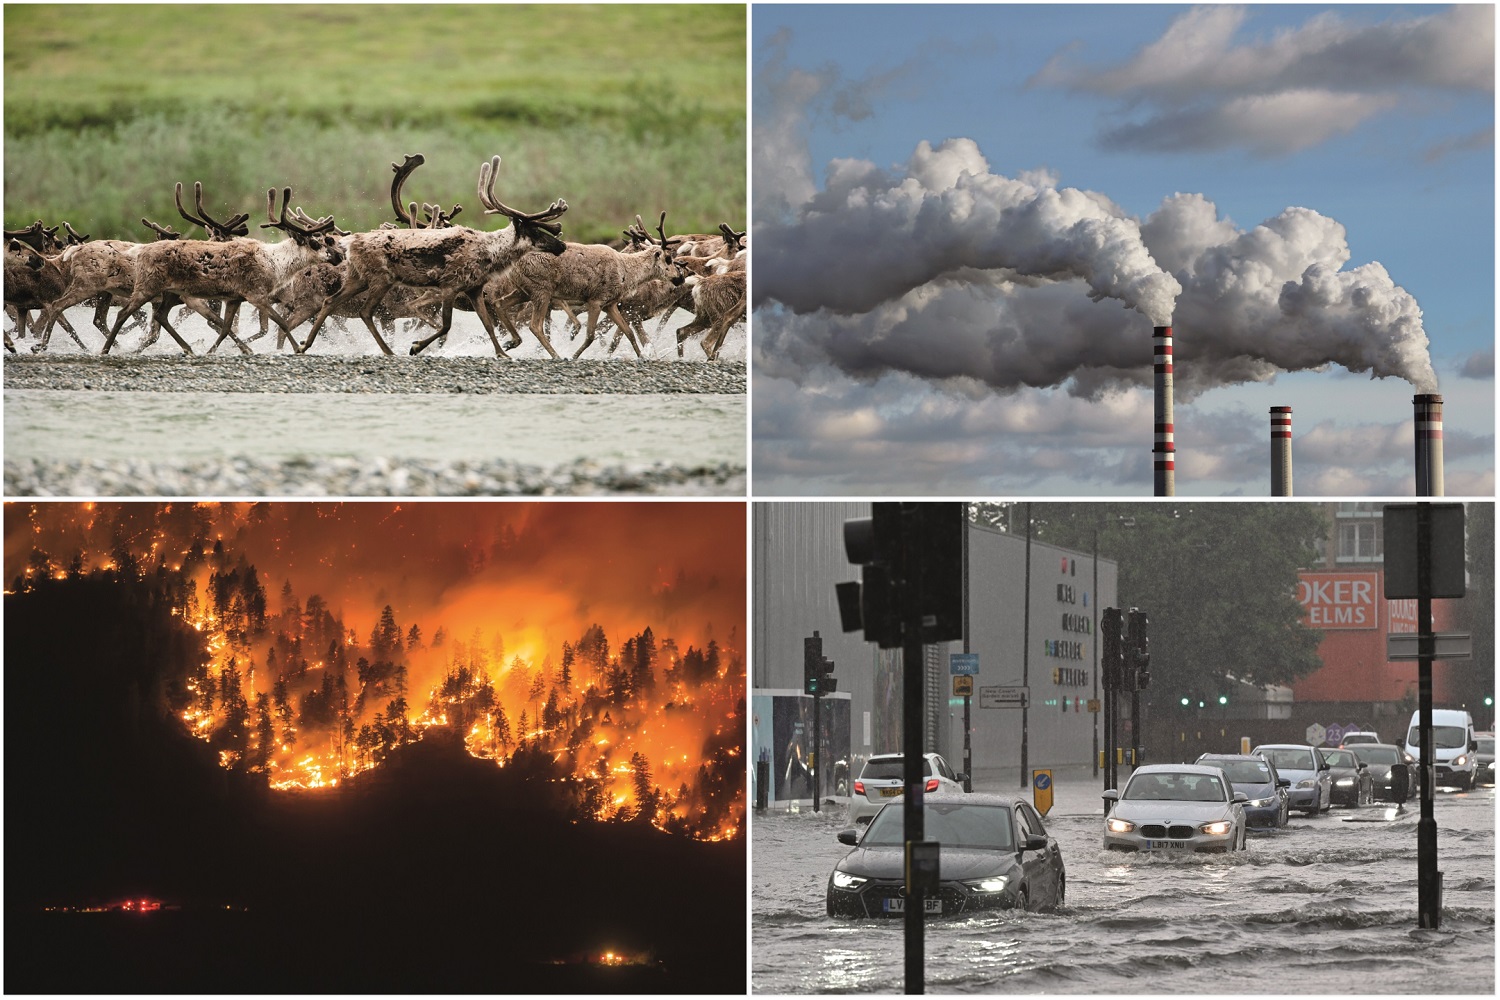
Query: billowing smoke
point(869, 237)
point(946, 270)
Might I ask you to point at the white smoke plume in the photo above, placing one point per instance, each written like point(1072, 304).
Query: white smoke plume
point(946, 270)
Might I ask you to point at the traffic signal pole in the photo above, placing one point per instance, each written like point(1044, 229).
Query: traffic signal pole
point(912, 705)
point(817, 743)
point(1429, 879)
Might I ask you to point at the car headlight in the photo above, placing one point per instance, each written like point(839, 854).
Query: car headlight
point(843, 880)
point(1217, 829)
point(1118, 825)
point(1460, 760)
point(995, 883)
point(1344, 782)
point(1307, 783)
point(1260, 803)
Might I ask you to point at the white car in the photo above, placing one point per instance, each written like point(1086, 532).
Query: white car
point(1175, 808)
point(883, 779)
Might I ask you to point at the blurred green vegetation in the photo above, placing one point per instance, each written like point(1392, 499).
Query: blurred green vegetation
point(620, 109)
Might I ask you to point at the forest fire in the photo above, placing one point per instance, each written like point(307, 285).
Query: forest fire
point(595, 643)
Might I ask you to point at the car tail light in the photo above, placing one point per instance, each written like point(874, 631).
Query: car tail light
point(932, 784)
point(859, 788)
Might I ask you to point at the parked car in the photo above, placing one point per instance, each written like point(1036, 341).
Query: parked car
point(1352, 784)
point(1359, 736)
point(994, 853)
point(1175, 807)
point(1453, 746)
point(883, 778)
point(1484, 759)
point(1380, 758)
point(1312, 788)
point(1268, 803)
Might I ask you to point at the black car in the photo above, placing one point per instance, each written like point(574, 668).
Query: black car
point(994, 852)
point(1352, 783)
point(1379, 759)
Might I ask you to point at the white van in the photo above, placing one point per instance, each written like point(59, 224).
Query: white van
point(1453, 746)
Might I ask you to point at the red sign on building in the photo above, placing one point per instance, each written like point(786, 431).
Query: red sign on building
point(1339, 600)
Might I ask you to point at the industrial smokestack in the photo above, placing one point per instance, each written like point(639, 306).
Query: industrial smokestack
point(1164, 453)
point(1429, 439)
point(1281, 451)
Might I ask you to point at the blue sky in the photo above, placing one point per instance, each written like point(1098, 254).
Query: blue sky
point(1378, 119)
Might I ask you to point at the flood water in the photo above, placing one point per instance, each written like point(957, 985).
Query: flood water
point(1327, 905)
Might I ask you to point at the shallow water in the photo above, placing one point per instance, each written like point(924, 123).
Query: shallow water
point(1323, 906)
point(535, 429)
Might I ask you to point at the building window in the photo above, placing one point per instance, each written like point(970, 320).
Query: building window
point(1361, 541)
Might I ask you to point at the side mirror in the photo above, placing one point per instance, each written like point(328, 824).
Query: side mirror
point(1323, 765)
point(1241, 797)
point(1473, 744)
point(850, 837)
point(1363, 766)
point(1111, 794)
point(1283, 782)
point(962, 777)
point(1035, 842)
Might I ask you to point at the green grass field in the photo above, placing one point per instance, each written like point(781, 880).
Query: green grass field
point(620, 109)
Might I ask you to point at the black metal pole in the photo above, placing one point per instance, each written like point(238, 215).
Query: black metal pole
point(1026, 655)
point(913, 698)
point(1096, 647)
point(968, 725)
point(1135, 729)
point(817, 744)
point(1429, 879)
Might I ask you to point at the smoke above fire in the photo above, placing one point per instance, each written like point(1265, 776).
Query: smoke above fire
point(945, 269)
point(602, 638)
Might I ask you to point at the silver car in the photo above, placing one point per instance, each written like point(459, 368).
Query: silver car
point(1312, 785)
point(1175, 808)
point(882, 779)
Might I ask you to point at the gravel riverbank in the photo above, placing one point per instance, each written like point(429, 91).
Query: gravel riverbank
point(366, 374)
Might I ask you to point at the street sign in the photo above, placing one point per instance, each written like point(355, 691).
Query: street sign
point(1041, 791)
point(1445, 646)
point(1445, 550)
point(963, 663)
point(963, 685)
point(1094, 705)
point(1004, 697)
point(1316, 734)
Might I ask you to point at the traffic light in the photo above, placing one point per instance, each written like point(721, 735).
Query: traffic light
point(1138, 648)
point(1112, 651)
point(911, 573)
point(1223, 699)
point(812, 663)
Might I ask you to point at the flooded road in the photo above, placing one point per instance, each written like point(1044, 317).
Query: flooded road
point(1327, 905)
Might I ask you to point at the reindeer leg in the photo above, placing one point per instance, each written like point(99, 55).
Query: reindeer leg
point(589, 338)
point(162, 309)
point(352, 287)
point(421, 345)
point(136, 301)
point(623, 324)
point(483, 312)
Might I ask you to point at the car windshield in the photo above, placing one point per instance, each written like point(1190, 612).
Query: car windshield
point(1295, 759)
point(1176, 787)
point(952, 824)
point(1378, 755)
point(1443, 737)
point(1340, 758)
point(1487, 746)
point(887, 768)
point(1244, 772)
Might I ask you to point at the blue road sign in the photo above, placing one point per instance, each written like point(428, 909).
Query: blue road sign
point(1042, 779)
point(963, 663)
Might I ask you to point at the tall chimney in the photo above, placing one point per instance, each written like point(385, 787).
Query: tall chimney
point(1429, 438)
point(1164, 452)
point(1281, 451)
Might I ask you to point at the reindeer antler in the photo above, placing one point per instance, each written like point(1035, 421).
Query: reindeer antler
point(403, 171)
point(292, 227)
point(73, 235)
point(162, 232)
point(488, 171)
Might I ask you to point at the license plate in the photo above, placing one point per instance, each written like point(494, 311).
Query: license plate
point(929, 905)
point(1157, 845)
point(888, 793)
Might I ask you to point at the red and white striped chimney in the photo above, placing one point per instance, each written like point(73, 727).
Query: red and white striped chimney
point(1281, 451)
point(1429, 438)
point(1164, 452)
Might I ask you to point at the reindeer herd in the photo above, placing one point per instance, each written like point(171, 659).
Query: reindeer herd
point(418, 268)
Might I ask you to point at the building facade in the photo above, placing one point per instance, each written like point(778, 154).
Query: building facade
point(1032, 615)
